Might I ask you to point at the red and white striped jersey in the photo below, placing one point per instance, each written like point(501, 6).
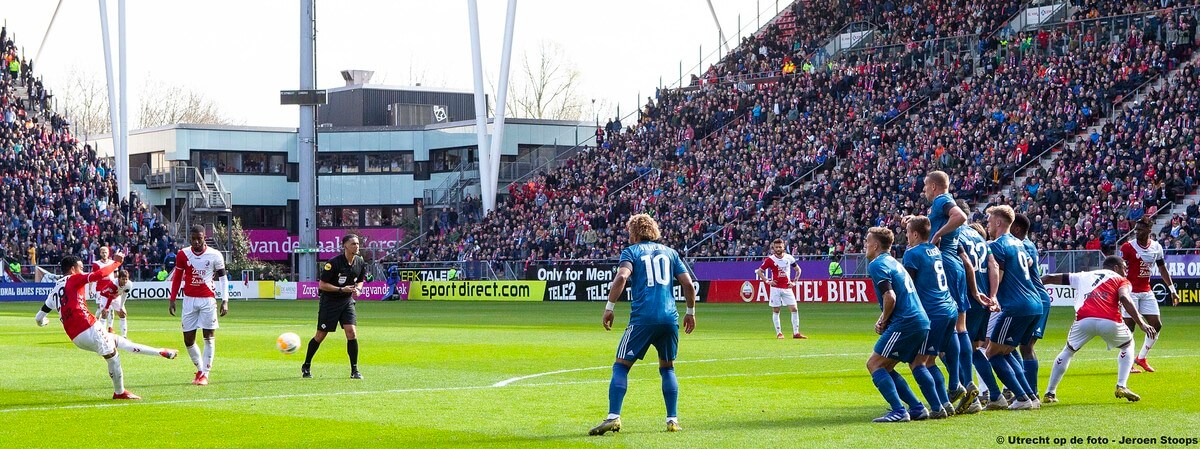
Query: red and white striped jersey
point(1142, 262)
point(1098, 294)
point(69, 298)
point(779, 269)
point(111, 290)
point(98, 265)
point(198, 271)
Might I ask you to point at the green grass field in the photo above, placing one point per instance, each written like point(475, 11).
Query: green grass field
point(432, 371)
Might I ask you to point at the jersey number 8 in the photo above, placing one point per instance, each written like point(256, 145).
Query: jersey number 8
point(943, 284)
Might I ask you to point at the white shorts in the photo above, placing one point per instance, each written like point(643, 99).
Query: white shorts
point(1146, 304)
point(199, 313)
point(117, 304)
point(1113, 333)
point(782, 297)
point(96, 339)
point(992, 320)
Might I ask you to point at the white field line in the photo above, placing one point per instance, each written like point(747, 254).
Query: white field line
point(509, 381)
point(475, 387)
point(408, 390)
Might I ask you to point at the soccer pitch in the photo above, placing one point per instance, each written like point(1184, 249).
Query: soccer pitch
point(456, 374)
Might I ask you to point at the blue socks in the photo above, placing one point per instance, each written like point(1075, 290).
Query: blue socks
point(951, 361)
point(887, 388)
point(985, 373)
point(906, 393)
point(617, 388)
point(965, 349)
point(928, 387)
point(670, 389)
point(1031, 373)
point(1018, 367)
point(1005, 372)
point(939, 381)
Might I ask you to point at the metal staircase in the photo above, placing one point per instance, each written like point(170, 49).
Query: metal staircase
point(204, 197)
point(449, 194)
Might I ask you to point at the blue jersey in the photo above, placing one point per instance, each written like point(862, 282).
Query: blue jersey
point(654, 269)
point(1017, 294)
point(932, 287)
point(1035, 271)
point(939, 215)
point(977, 251)
point(907, 315)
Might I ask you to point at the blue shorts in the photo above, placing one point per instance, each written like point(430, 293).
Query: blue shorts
point(1014, 330)
point(940, 332)
point(977, 323)
point(900, 345)
point(1041, 324)
point(639, 337)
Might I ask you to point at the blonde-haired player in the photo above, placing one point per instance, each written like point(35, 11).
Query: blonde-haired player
point(93, 291)
point(776, 271)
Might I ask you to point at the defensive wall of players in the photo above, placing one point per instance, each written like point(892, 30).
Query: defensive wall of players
point(717, 282)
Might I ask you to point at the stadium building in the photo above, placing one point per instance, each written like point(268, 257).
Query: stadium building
point(391, 162)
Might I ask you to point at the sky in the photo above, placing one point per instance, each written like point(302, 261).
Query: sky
point(242, 53)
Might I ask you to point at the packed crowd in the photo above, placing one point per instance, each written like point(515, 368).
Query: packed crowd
point(918, 20)
point(809, 25)
point(709, 157)
point(1022, 101)
point(56, 196)
point(1091, 9)
point(1183, 232)
point(678, 158)
point(1115, 175)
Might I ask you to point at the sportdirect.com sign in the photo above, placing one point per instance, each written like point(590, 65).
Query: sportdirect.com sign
point(477, 291)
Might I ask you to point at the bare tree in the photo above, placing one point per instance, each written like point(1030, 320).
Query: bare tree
point(547, 86)
point(162, 104)
point(85, 103)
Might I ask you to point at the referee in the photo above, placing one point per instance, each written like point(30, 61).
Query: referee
point(341, 281)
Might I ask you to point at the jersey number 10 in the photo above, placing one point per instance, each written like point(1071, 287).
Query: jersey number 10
point(658, 268)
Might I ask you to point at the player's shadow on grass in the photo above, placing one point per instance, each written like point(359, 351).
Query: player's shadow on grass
point(830, 417)
point(841, 417)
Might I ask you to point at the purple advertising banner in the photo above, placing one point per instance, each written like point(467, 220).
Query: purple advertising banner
point(276, 244)
point(722, 271)
point(1182, 266)
point(372, 291)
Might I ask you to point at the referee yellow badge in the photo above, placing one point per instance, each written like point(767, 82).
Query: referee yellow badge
point(328, 266)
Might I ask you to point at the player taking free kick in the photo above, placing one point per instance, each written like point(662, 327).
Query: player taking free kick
point(70, 299)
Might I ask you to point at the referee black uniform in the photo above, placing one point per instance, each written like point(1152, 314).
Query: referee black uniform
point(337, 308)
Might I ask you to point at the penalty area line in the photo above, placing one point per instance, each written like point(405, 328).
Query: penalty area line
point(357, 393)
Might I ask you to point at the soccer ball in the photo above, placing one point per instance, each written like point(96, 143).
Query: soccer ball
point(288, 343)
